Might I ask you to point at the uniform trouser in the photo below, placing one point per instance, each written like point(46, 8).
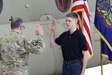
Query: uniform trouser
point(72, 67)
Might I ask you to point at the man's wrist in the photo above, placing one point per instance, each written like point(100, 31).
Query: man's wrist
point(52, 29)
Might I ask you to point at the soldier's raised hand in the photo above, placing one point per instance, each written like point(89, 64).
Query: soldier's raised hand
point(39, 30)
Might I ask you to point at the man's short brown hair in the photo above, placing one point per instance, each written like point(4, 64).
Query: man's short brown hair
point(72, 15)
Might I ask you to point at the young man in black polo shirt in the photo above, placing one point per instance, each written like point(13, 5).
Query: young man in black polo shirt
point(73, 45)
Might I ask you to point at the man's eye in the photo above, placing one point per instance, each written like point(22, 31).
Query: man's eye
point(67, 20)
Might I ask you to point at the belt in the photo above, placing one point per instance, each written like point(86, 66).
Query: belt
point(72, 61)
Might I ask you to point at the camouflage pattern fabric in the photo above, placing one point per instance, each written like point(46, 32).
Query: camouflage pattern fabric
point(14, 52)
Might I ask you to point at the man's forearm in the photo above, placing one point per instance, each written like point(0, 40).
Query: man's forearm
point(52, 38)
point(85, 59)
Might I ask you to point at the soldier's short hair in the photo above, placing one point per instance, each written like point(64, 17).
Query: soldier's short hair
point(72, 15)
point(15, 22)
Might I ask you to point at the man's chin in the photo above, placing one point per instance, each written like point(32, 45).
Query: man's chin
point(69, 28)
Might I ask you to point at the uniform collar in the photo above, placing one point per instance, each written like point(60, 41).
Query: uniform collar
point(73, 32)
point(13, 32)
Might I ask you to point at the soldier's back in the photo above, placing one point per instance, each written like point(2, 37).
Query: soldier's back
point(14, 58)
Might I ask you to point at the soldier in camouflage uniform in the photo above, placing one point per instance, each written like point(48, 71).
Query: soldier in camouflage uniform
point(15, 49)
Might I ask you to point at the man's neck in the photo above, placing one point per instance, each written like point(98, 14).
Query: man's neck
point(72, 30)
point(15, 30)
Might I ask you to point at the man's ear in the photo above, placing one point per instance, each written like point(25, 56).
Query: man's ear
point(76, 20)
point(20, 27)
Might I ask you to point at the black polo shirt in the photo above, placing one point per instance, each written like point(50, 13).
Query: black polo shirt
point(72, 45)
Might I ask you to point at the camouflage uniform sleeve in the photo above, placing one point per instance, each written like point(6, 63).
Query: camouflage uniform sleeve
point(36, 46)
